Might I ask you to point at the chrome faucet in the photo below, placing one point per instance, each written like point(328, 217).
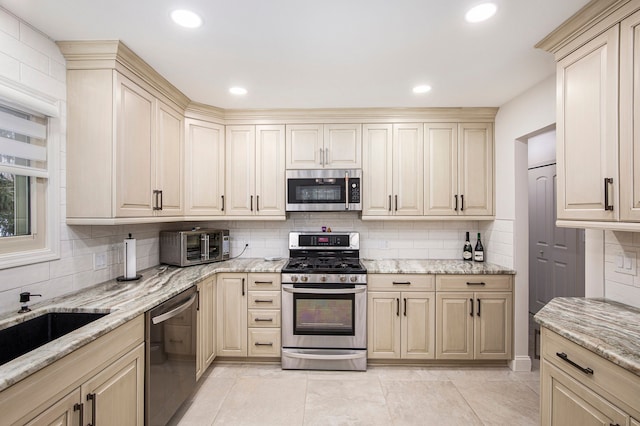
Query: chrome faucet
point(24, 298)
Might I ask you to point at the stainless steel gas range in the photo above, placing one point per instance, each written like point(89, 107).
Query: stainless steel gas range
point(324, 303)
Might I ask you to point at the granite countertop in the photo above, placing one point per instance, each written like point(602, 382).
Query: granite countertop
point(607, 328)
point(421, 266)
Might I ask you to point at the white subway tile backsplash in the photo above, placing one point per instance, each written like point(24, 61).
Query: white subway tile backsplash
point(23, 275)
point(24, 54)
point(40, 42)
point(9, 67)
point(41, 81)
point(9, 24)
point(621, 287)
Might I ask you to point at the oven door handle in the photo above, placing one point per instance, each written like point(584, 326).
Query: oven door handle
point(325, 291)
point(328, 357)
point(172, 313)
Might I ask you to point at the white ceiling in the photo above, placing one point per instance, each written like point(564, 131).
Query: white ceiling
point(322, 53)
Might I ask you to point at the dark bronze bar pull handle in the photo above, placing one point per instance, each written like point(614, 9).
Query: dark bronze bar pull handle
point(257, 203)
point(243, 286)
point(564, 357)
point(478, 283)
point(396, 203)
point(161, 200)
point(478, 307)
point(263, 344)
point(80, 408)
point(92, 397)
point(263, 320)
point(405, 306)
point(456, 196)
point(252, 203)
point(462, 203)
point(263, 282)
point(402, 283)
point(264, 300)
point(390, 204)
point(398, 307)
point(222, 209)
point(156, 204)
point(471, 303)
point(607, 182)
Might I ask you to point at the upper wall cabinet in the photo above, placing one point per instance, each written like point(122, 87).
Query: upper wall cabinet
point(458, 172)
point(205, 168)
point(597, 137)
point(125, 138)
point(334, 146)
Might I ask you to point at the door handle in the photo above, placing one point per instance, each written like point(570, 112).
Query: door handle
point(471, 303)
point(607, 182)
point(398, 307)
point(478, 307)
point(456, 197)
point(79, 407)
point(251, 203)
point(405, 306)
point(461, 203)
point(92, 397)
point(390, 204)
point(174, 312)
point(257, 203)
point(321, 157)
point(222, 209)
point(243, 286)
point(326, 156)
point(396, 203)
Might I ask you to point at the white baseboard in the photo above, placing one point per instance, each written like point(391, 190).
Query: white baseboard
point(520, 363)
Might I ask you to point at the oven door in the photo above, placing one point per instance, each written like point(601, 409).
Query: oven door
point(324, 316)
point(323, 190)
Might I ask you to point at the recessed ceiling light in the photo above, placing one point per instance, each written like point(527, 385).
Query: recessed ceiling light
point(238, 91)
point(186, 18)
point(422, 89)
point(481, 12)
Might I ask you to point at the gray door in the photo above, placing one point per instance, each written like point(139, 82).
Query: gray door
point(556, 255)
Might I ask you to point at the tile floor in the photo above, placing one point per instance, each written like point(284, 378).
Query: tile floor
point(250, 394)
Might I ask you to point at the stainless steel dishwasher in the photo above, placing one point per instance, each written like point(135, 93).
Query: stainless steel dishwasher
point(170, 373)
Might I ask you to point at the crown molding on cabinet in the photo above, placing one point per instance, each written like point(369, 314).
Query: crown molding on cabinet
point(592, 19)
point(113, 54)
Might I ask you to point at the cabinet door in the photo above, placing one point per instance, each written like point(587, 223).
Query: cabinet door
point(441, 196)
point(169, 160)
point(476, 169)
point(418, 325)
point(455, 317)
point(231, 314)
point(240, 184)
point(408, 163)
point(135, 144)
point(383, 316)
point(630, 118)
point(65, 412)
point(343, 146)
point(566, 402)
point(587, 135)
point(270, 171)
point(115, 396)
point(493, 325)
point(377, 169)
point(305, 148)
point(206, 344)
point(204, 169)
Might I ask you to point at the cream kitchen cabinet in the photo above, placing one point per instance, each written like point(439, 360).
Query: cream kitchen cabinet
point(84, 386)
point(458, 169)
point(579, 387)
point(474, 317)
point(401, 316)
point(231, 315)
point(204, 168)
point(392, 170)
point(206, 325)
point(255, 184)
point(125, 137)
point(314, 146)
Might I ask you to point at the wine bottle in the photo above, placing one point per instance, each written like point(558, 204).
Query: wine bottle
point(467, 251)
point(478, 254)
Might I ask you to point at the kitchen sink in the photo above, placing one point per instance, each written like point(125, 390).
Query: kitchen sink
point(21, 338)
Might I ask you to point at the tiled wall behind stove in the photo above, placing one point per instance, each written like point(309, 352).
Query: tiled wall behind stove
point(622, 281)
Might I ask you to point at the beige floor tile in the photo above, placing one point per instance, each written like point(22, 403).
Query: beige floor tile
point(396, 373)
point(535, 385)
point(482, 374)
point(227, 370)
point(345, 402)
point(507, 402)
point(263, 401)
point(427, 403)
point(206, 402)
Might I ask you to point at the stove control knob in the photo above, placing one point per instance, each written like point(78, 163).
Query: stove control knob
point(354, 278)
point(294, 278)
point(343, 278)
point(304, 278)
point(323, 278)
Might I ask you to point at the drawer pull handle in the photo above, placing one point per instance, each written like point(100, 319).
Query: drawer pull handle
point(264, 300)
point(175, 341)
point(478, 283)
point(565, 357)
point(263, 320)
point(263, 282)
point(402, 283)
point(263, 344)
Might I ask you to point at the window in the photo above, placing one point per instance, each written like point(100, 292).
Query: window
point(25, 182)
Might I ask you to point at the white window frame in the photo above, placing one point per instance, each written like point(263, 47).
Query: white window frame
point(50, 220)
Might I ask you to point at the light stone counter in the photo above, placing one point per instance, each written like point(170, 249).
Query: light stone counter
point(607, 328)
point(124, 301)
point(421, 266)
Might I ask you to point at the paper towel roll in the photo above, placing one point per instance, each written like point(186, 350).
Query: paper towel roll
point(129, 258)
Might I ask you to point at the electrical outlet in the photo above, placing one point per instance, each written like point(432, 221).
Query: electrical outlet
point(99, 261)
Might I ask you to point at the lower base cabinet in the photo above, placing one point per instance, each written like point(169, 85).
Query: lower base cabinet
point(206, 326)
point(101, 383)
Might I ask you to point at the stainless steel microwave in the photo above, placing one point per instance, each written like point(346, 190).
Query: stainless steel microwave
point(324, 190)
point(186, 248)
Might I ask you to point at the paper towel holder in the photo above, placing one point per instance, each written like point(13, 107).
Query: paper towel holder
point(122, 278)
point(136, 276)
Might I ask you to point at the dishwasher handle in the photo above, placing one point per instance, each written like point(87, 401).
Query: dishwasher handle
point(174, 312)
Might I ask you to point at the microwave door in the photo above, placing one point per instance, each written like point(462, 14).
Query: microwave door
point(214, 244)
point(193, 252)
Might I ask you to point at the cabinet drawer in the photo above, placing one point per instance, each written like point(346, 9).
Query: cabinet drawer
point(264, 342)
point(264, 299)
point(265, 281)
point(474, 282)
point(177, 339)
point(264, 318)
point(401, 282)
point(607, 379)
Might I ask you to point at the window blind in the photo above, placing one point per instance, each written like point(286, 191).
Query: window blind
point(23, 148)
